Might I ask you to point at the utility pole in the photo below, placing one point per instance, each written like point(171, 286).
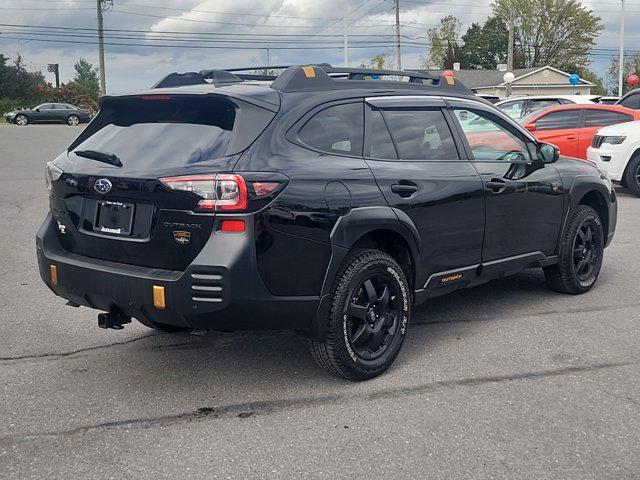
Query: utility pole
point(55, 69)
point(102, 5)
point(346, 33)
point(510, 50)
point(398, 52)
point(621, 58)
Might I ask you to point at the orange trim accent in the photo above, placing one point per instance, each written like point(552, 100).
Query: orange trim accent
point(53, 271)
point(158, 297)
point(309, 72)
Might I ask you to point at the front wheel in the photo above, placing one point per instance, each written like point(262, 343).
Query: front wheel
point(73, 121)
point(368, 317)
point(21, 120)
point(581, 252)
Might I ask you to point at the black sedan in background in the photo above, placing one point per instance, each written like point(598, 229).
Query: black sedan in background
point(49, 113)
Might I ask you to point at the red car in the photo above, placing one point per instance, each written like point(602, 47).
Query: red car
point(572, 127)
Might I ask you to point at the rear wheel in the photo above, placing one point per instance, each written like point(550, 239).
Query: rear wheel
point(581, 252)
point(368, 317)
point(73, 120)
point(21, 120)
point(163, 327)
point(632, 175)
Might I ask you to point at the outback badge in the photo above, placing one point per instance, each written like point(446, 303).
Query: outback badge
point(182, 237)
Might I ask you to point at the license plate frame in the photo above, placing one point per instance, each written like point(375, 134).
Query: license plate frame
point(114, 218)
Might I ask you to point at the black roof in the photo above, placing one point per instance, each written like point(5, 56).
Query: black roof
point(320, 77)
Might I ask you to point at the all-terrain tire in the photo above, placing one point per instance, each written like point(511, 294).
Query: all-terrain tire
point(336, 353)
point(565, 277)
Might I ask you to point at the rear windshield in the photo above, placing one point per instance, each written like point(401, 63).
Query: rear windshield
point(163, 130)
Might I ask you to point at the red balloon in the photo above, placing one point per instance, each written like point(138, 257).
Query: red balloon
point(448, 73)
point(633, 80)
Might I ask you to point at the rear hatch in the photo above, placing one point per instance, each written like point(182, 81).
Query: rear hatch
point(107, 198)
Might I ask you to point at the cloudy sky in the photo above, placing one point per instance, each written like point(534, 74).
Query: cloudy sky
point(147, 39)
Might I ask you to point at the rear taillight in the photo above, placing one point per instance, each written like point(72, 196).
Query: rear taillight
point(51, 174)
point(221, 192)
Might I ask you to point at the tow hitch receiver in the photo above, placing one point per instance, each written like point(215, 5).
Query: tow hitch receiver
point(113, 320)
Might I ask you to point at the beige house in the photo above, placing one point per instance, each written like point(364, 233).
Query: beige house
point(528, 81)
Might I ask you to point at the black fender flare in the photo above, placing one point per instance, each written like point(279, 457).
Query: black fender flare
point(346, 232)
point(580, 186)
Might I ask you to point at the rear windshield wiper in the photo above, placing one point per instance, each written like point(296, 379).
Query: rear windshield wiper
point(109, 158)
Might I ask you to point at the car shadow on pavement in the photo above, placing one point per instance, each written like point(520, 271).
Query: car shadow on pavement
point(275, 357)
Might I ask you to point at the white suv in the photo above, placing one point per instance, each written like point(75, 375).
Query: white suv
point(616, 150)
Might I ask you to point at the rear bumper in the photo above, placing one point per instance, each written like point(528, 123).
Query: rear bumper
point(220, 290)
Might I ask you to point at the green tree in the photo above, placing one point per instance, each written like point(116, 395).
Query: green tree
point(445, 44)
point(379, 62)
point(84, 89)
point(550, 32)
point(485, 46)
point(631, 66)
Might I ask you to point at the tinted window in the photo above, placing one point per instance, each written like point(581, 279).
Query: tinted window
point(179, 130)
point(561, 120)
point(491, 138)
point(380, 143)
point(602, 118)
point(632, 101)
point(337, 129)
point(45, 106)
point(421, 134)
point(514, 109)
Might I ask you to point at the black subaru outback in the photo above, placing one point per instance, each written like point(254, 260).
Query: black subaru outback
point(325, 200)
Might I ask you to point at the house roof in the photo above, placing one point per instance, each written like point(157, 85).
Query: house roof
point(477, 78)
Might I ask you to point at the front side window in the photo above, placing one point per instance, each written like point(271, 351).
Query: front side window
point(490, 138)
point(602, 118)
point(45, 106)
point(337, 129)
point(562, 120)
point(421, 134)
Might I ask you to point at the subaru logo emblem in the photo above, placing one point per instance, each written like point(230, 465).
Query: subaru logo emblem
point(102, 185)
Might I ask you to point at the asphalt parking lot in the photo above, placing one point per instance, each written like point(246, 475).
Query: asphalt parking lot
point(507, 380)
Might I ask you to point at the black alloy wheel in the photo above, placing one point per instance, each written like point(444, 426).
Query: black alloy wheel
point(374, 315)
point(586, 251)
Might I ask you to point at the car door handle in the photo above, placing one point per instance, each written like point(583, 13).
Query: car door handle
point(405, 188)
point(496, 185)
point(571, 138)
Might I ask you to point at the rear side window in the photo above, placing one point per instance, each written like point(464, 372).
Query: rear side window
point(379, 141)
point(632, 101)
point(168, 131)
point(421, 134)
point(337, 129)
point(561, 120)
point(602, 118)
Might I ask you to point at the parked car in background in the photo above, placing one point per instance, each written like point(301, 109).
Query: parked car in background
point(517, 108)
point(631, 100)
point(572, 127)
point(608, 100)
point(49, 113)
point(616, 150)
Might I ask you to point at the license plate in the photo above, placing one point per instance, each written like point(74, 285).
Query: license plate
point(114, 218)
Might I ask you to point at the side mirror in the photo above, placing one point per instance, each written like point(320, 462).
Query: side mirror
point(531, 127)
point(37, 109)
point(548, 153)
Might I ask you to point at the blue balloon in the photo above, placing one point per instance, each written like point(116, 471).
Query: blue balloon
point(574, 79)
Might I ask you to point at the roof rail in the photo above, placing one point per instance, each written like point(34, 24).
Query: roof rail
point(268, 70)
point(307, 78)
point(197, 78)
point(321, 76)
